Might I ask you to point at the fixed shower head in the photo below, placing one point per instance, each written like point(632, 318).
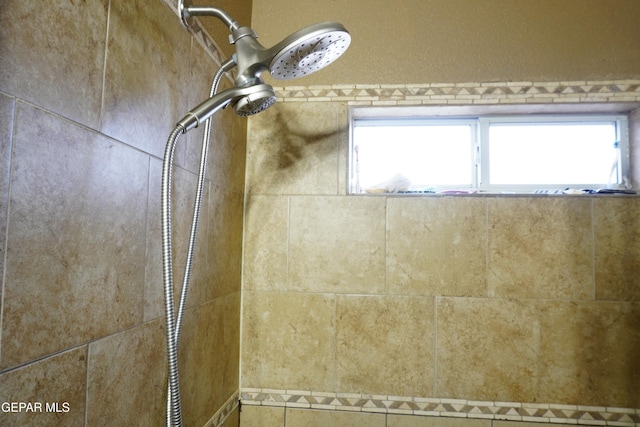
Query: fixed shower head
point(308, 50)
point(302, 53)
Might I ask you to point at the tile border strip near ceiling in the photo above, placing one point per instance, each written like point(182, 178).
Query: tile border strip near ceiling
point(467, 93)
point(458, 408)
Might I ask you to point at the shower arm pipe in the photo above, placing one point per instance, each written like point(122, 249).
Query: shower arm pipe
point(187, 10)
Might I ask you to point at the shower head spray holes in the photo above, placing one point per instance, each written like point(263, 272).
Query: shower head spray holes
point(308, 55)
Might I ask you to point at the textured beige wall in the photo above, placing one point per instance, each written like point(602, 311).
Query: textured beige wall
point(418, 41)
point(81, 142)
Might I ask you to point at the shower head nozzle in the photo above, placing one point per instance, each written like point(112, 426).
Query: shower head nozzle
point(245, 100)
point(255, 102)
point(308, 50)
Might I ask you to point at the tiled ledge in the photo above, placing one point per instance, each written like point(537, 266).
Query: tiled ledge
point(459, 408)
point(617, 91)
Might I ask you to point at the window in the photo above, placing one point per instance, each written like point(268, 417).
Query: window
point(523, 154)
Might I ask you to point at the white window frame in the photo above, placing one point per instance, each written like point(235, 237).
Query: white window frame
point(480, 145)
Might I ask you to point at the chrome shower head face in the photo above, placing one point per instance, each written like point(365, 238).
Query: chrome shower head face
point(255, 102)
point(309, 50)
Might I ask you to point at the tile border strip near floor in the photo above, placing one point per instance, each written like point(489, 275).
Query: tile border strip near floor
point(225, 411)
point(433, 407)
point(466, 93)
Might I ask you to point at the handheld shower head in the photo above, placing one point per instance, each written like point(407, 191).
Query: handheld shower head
point(254, 102)
point(245, 100)
point(308, 50)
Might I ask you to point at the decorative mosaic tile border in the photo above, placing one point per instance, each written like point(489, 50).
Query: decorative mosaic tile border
point(199, 33)
point(467, 93)
point(225, 411)
point(511, 411)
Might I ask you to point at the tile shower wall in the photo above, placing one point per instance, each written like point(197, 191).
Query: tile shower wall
point(351, 301)
point(89, 92)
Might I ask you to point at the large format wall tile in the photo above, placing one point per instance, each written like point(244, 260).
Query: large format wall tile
point(589, 353)
point(293, 149)
point(266, 243)
point(311, 418)
point(224, 239)
point(384, 345)
point(617, 248)
point(288, 340)
point(147, 67)
point(75, 246)
point(129, 366)
point(261, 416)
point(408, 421)
point(487, 349)
point(337, 244)
point(7, 107)
point(53, 55)
point(209, 357)
point(540, 248)
point(60, 380)
point(436, 246)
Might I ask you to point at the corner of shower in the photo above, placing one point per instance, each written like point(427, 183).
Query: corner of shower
point(302, 53)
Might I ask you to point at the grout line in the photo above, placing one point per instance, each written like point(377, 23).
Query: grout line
point(5, 241)
point(592, 211)
point(435, 345)
point(104, 67)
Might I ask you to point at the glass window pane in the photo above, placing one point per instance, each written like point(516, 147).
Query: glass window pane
point(429, 155)
point(551, 153)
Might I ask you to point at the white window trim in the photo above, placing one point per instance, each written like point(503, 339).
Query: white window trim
point(480, 178)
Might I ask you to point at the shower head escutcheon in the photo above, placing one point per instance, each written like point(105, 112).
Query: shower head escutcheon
point(300, 54)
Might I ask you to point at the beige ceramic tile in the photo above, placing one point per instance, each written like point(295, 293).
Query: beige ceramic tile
point(224, 252)
point(261, 416)
point(292, 148)
point(337, 244)
point(416, 421)
point(209, 358)
point(233, 420)
point(57, 55)
point(266, 243)
point(589, 353)
point(153, 282)
point(526, 424)
point(617, 248)
point(634, 145)
point(343, 149)
point(7, 106)
point(228, 136)
point(76, 240)
point(436, 246)
point(147, 65)
point(540, 247)
point(126, 377)
point(56, 380)
point(291, 341)
point(385, 345)
point(487, 349)
point(311, 418)
point(230, 351)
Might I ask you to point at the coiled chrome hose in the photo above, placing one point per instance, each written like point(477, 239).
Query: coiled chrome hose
point(173, 322)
